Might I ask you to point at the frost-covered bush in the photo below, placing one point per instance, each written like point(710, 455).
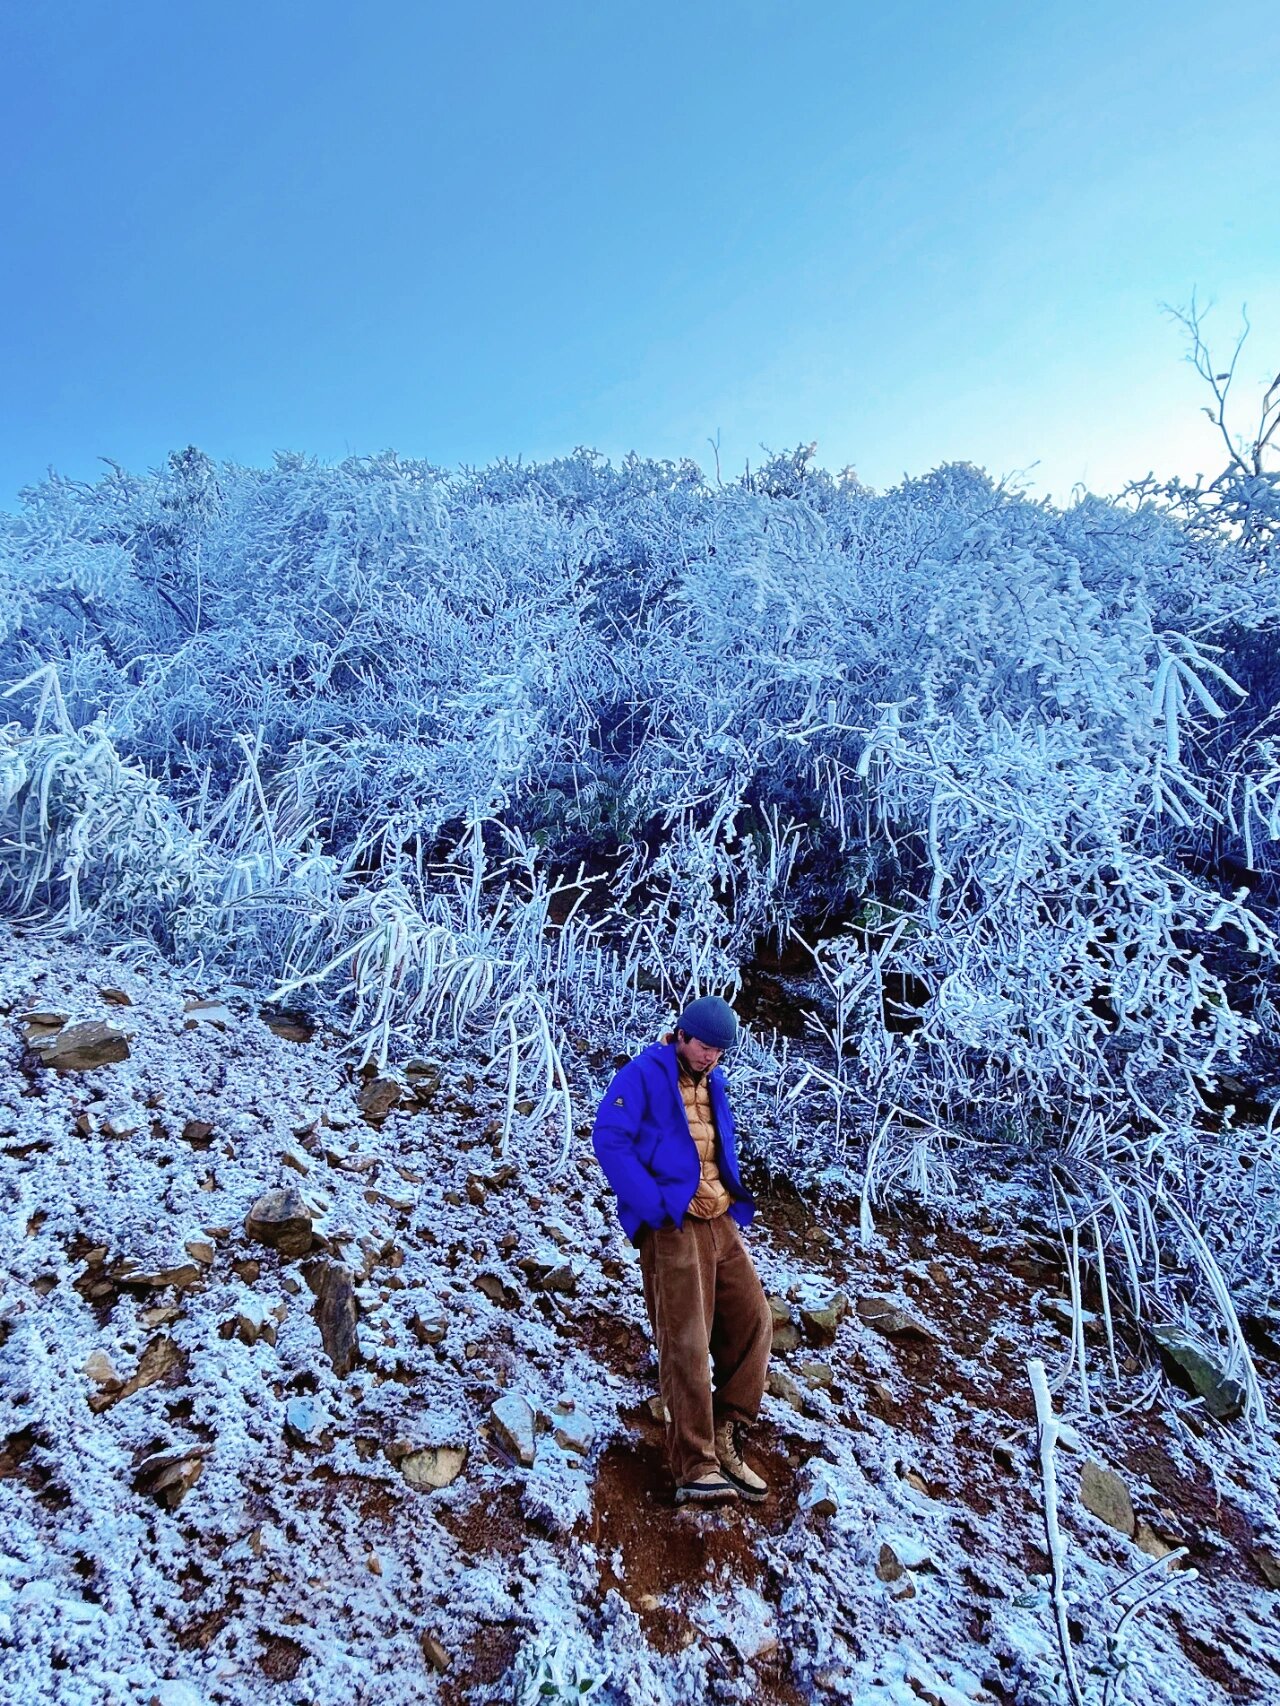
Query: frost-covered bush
point(553, 1669)
point(532, 753)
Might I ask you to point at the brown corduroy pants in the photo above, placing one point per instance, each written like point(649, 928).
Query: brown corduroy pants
point(704, 1300)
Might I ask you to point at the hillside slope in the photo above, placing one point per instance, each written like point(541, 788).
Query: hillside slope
point(215, 1454)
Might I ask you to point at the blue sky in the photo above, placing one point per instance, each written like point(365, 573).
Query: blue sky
point(913, 234)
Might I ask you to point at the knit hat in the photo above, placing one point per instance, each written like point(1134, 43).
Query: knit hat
point(711, 1020)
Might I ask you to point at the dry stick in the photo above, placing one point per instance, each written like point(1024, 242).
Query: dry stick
point(1048, 1434)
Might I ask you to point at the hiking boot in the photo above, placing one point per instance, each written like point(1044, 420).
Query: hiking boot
point(708, 1489)
point(728, 1450)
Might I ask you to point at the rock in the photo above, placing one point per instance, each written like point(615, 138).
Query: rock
point(574, 1433)
point(100, 1369)
point(429, 1329)
point(41, 1023)
point(821, 1320)
point(126, 1274)
point(817, 1374)
point(1269, 1564)
point(513, 1423)
point(200, 1250)
point(208, 1013)
point(81, 1048)
point(433, 1652)
point(160, 1359)
point(279, 1218)
point(121, 1121)
point(294, 1027)
point(176, 1694)
point(782, 1386)
point(433, 1466)
point(561, 1279)
point(376, 1099)
point(168, 1476)
point(1224, 1396)
point(249, 1324)
point(301, 1422)
point(819, 1492)
point(492, 1286)
point(160, 1315)
point(656, 1408)
point(296, 1158)
point(335, 1312)
point(1148, 1540)
point(889, 1567)
point(198, 1133)
point(116, 997)
point(885, 1316)
point(1105, 1494)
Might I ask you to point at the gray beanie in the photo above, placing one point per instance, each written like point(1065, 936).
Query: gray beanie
point(711, 1020)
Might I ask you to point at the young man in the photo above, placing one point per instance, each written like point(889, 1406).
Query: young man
point(664, 1136)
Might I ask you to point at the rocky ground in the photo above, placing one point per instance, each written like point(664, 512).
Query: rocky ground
point(310, 1394)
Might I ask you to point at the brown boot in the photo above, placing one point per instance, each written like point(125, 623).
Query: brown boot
point(743, 1477)
point(708, 1489)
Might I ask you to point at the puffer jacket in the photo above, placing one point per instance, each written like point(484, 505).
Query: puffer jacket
point(642, 1140)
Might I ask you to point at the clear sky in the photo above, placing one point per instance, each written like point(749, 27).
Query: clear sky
point(914, 233)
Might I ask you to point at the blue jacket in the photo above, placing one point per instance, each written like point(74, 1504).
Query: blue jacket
point(642, 1140)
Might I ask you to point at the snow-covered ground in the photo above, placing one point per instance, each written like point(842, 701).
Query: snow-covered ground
point(242, 1524)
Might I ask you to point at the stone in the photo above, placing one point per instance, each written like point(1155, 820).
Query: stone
point(100, 1369)
point(574, 1433)
point(821, 1320)
point(301, 1422)
point(1268, 1563)
point(41, 1023)
point(81, 1048)
point(513, 1423)
point(1224, 1396)
point(885, 1316)
point(889, 1567)
point(817, 1374)
point(434, 1652)
point(819, 1492)
point(280, 1219)
point(1105, 1494)
point(294, 1027)
point(429, 1329)
point(121, 1121)
point(160, 1359)
point(297, 1159)
point(1150, 1541)
point(183, 1277)
point(656, 1408)
point(215, 1013)
point(376, 1099)
point(493, 1288)
point(200, 1250)
point(168, 1476)
point(335, 1312)
point(781, 1385)
point(198, 1133)
point(433, 1466)
point(116, 997)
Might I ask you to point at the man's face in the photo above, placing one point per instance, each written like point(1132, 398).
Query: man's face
point(697, 1056)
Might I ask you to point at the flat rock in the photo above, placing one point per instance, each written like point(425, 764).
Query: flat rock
point(889, 1318)
point(208, 1013)
point(513, 1422)
point(376, 1099)
point(280, 1219)
point(819, 1492)
point(168, 1476)
point(1224, 1396)
point(1105, 1494)
point(781, 1385)
point(81, 1048)
point(433, 1466)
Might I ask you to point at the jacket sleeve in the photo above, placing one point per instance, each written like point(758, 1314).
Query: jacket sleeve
point(613, 1138)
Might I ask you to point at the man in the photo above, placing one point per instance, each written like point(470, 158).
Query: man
point(664, 1136)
